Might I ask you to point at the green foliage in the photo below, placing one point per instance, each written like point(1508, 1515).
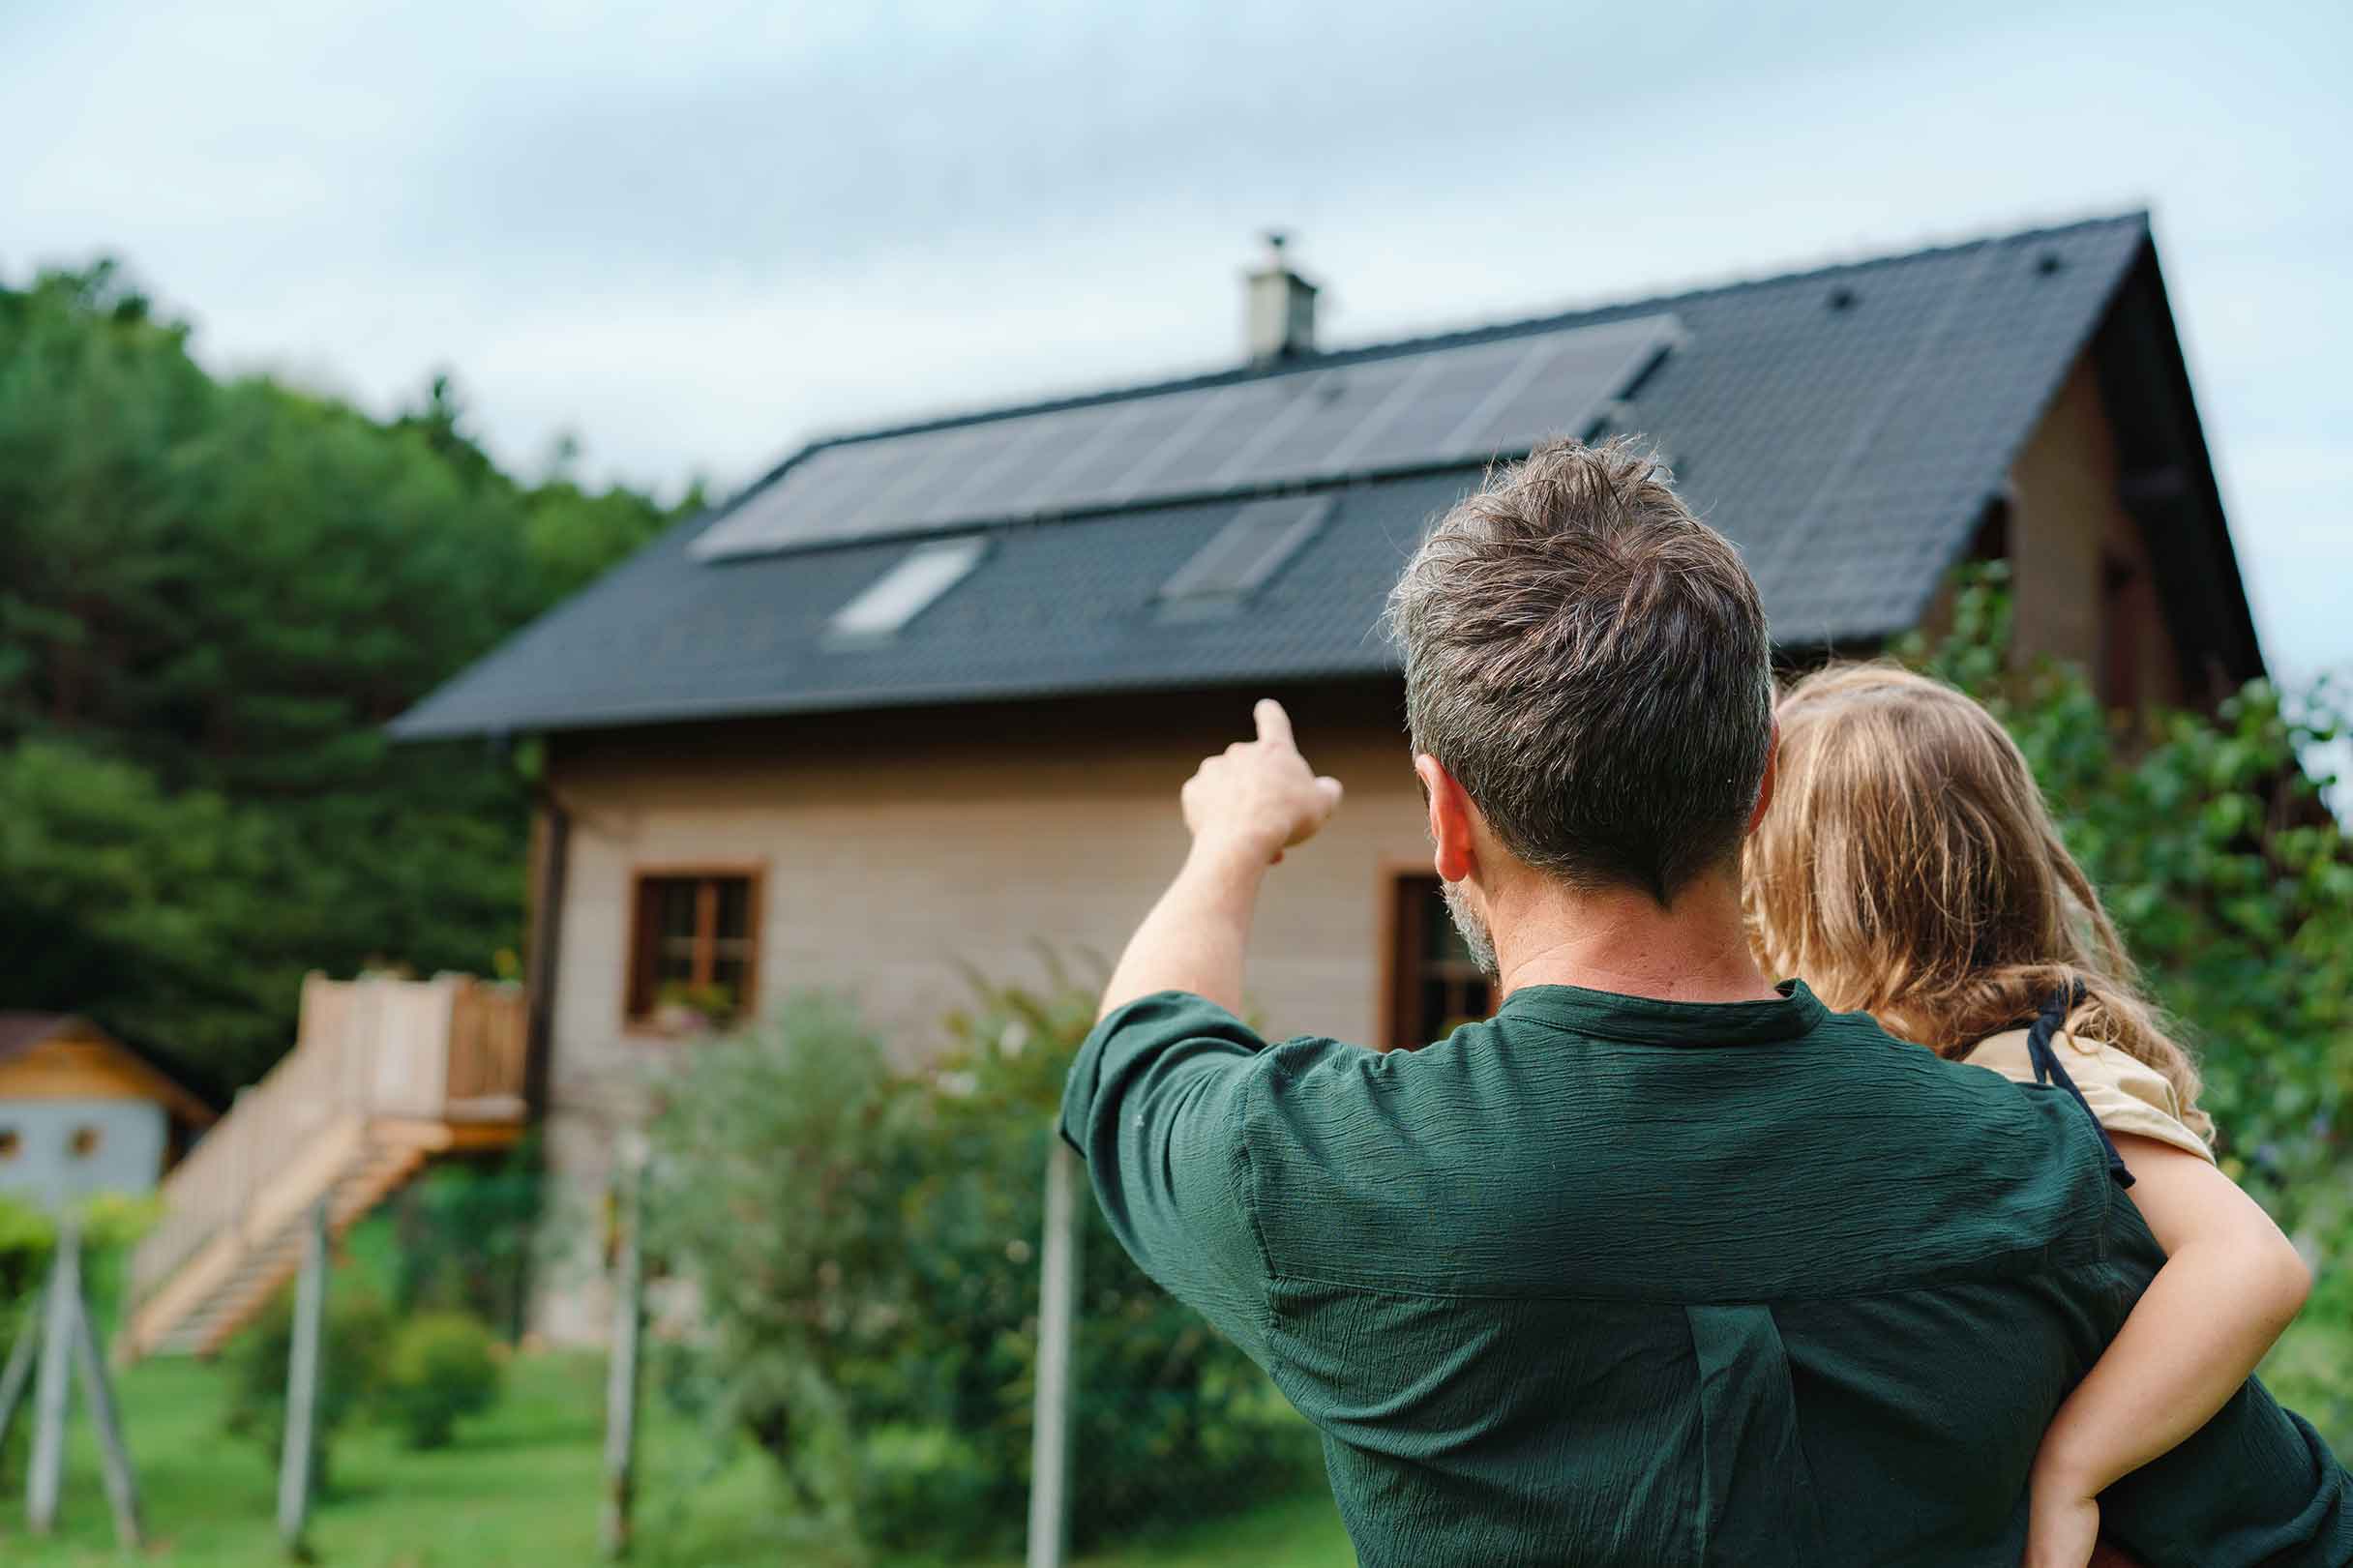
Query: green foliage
point(866, 1245)
point(443, 1367)
point(212, 597)
point(28, 1237)
point(112, 1224)
point(462, 1238)
point(2209, 838)
point(351, 1349)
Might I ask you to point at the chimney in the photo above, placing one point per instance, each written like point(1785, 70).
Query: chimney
point(1278, 308)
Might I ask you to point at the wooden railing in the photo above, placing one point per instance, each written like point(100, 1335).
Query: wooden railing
point(450, 1048)
point(487, 1026)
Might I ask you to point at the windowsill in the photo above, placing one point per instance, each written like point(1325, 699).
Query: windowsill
point(649, 1026)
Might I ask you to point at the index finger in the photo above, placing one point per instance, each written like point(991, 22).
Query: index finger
point(1273, 724)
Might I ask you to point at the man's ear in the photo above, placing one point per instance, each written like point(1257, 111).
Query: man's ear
point(1772, 764)
point(1452, 815)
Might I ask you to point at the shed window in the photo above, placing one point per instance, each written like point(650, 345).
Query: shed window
point(692, 945)
point(11, 1145)
point(85, 1141)
point(1435, 984)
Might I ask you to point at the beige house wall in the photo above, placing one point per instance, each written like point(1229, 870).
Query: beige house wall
point(2068, 531)
point(893, 850)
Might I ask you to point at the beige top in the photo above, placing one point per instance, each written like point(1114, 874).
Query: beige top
point(2128, 1095)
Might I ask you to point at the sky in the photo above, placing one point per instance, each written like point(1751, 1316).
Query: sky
point(686, 236)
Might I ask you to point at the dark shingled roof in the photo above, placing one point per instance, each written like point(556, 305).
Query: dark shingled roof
point(1846, 428)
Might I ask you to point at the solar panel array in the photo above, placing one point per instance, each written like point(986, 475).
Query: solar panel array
point(1464, 403)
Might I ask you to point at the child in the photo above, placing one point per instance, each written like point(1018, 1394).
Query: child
point(1908, 868)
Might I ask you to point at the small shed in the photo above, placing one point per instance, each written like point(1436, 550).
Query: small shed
point(82, 1112)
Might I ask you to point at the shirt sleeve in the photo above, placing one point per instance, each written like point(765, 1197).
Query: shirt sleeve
point(1157, 1106)
point(2126, 1094)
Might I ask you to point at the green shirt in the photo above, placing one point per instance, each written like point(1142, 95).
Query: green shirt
point(1607, 1280)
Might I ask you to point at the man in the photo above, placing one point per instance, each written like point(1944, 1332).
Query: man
point(1664, 1263)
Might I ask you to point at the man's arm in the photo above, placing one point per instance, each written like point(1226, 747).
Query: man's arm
point(1243, 808)
point(1158, 1101)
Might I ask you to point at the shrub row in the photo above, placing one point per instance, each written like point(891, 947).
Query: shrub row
point(865, 1245)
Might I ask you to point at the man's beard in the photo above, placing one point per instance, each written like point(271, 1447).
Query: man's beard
point(1474, 933)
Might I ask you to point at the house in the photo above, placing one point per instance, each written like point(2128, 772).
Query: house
point(81, 1112)
point(922, 695)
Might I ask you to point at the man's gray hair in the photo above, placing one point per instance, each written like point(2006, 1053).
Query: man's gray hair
point(1590, 661)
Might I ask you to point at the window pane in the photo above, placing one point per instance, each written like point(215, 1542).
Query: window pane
point(675, 907)
point(734, 908)
point(1440, 987)
point(1440, 941)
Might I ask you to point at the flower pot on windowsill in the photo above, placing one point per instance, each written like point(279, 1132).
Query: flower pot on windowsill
point(684, 1009)
point(678, 1020)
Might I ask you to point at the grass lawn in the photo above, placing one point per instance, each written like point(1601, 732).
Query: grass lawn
point(520, 1487)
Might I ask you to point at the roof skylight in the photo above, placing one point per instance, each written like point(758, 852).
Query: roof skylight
point(884, 607)
point(1239, 557)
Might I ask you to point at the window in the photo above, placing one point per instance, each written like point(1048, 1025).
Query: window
point(1240, 556)
point(85, 1141)
point(885, 605)
point(1435, 986)
point(692, 947)
point(11, 1145)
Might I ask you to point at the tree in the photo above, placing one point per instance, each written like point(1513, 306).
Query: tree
point(212, 594)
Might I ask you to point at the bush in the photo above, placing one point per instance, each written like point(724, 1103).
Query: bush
point(443, 1368)
point(866, 1247)
point(351, 1349)
point(463, 1238)
point(112, 1224)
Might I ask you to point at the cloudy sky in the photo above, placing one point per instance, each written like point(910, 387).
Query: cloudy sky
point(688, 234)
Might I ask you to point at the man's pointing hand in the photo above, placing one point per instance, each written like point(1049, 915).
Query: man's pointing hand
point(1259, 797)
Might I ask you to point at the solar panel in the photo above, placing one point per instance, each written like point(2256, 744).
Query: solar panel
point(1338, 404)
point(1452, 403)
point(1569, 387)
point(1240, 556)
point(1221, 422)
point(1153, 428)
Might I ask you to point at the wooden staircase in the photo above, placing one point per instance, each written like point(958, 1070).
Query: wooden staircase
point(384, 1075)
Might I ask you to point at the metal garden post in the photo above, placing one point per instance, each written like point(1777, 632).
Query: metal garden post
point(1057, 1364)
point(621, 1377)
point(46, 1475)
point(122, 1484)
point(17, 1375)
point(302, 1386)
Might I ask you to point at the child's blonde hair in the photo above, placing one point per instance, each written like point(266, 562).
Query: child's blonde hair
point(1909, 869)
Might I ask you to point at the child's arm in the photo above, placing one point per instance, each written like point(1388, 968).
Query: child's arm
point(2230, 1285)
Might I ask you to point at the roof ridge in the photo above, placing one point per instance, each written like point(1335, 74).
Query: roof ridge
point(1439, 338)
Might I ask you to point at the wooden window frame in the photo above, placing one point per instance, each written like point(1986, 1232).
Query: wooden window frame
point(1397, 1003)
point(636, 978)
